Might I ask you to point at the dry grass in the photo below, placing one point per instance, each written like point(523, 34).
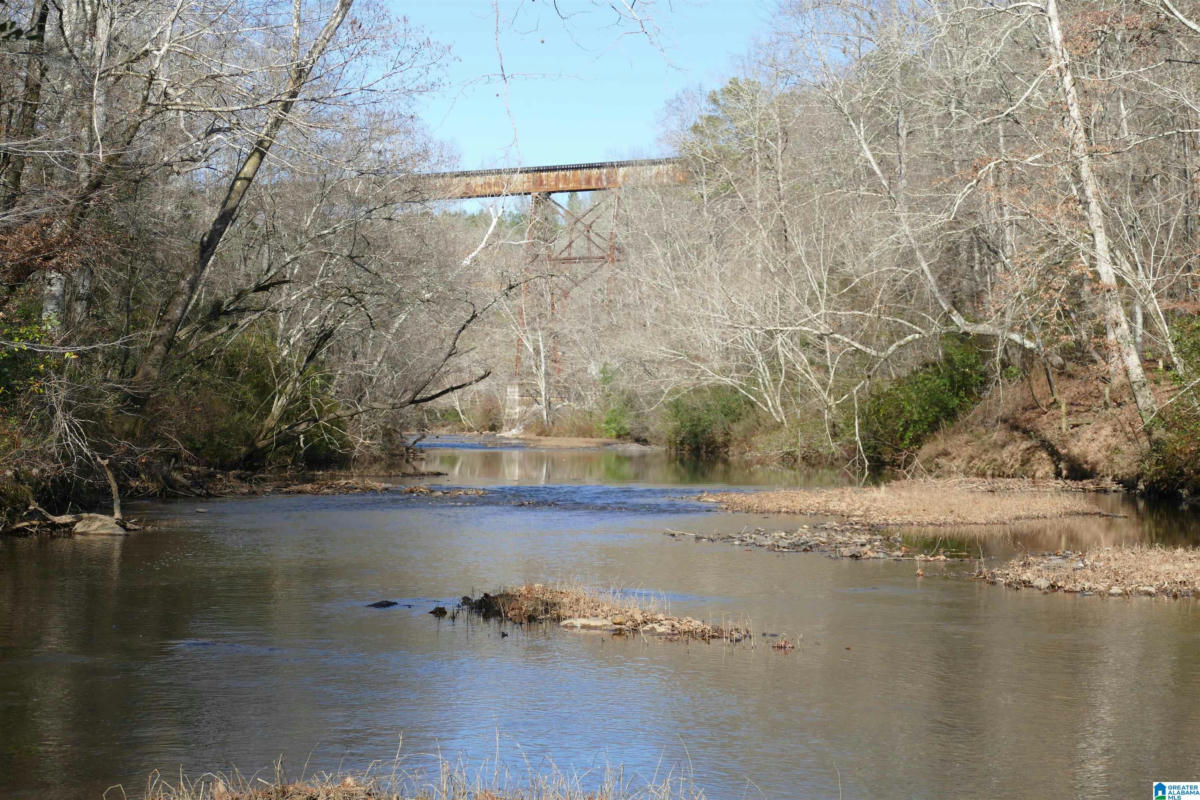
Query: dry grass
point(1112, 571)
point(924, 502)
point(394, 782)
point(584, 609)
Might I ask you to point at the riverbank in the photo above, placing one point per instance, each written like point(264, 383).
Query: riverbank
point(580, 610)
point(20, 492)
point(869, 518)
point(1081, 427)
point(1111, 571)
point(1121, 571)
point(928, 502)
point(35, 521)
point(534, 441)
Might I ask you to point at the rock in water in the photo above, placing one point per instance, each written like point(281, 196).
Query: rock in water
point(439, 612)
point(97, 525)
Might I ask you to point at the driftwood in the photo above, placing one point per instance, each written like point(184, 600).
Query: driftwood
point(78, 523)
point(44, 520)
point(116, 495)
point(30, 525)
point(54, 519)
point(175, 482)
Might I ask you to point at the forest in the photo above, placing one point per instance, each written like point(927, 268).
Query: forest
point(217, 251)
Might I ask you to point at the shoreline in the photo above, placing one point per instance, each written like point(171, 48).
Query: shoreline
point(35, 521)
point(927, 502)
point(395, 780)
point(1133, 570)
point(869, 523)
point(19, 518)
point(1126, 571)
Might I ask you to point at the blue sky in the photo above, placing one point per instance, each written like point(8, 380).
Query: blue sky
point(580, 89)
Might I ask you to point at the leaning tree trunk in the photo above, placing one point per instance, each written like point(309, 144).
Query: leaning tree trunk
point(154, 359)
point(1110, 297)
point(12, 162)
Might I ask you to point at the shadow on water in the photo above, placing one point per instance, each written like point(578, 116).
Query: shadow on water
point(1128, 521)
point(488, 465)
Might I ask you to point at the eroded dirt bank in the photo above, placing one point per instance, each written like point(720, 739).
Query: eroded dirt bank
point(1019, 430)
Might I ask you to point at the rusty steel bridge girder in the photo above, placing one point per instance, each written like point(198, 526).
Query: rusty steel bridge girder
point(578, 242)
point(539, 183)
point(592, 177)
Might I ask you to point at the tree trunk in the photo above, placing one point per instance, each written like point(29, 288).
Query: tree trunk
point(12, 163)
point(1089, 187)
point(53, 295)
point(155, 357)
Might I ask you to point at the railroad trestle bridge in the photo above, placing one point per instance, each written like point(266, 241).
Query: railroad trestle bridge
point(558, 239)
point(540, 183)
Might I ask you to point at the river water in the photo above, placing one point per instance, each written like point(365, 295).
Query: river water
point(238, 636)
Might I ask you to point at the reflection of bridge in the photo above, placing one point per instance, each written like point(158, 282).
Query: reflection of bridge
point(556, 239)
point(549, 180)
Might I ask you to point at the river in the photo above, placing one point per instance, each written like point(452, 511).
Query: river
point(233, 633)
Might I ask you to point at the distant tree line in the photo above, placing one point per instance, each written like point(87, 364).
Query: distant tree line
point(1021, 176)
point(214, 251)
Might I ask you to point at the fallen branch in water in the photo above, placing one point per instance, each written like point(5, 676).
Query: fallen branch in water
point(54, 519)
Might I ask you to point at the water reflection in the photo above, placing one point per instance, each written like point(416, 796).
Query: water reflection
point(239, 635)
point(608, 466)
point(1129, 521)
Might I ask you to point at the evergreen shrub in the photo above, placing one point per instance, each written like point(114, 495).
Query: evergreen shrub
point(900, 416)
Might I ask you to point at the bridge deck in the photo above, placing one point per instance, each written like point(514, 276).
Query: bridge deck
point(550, 179)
